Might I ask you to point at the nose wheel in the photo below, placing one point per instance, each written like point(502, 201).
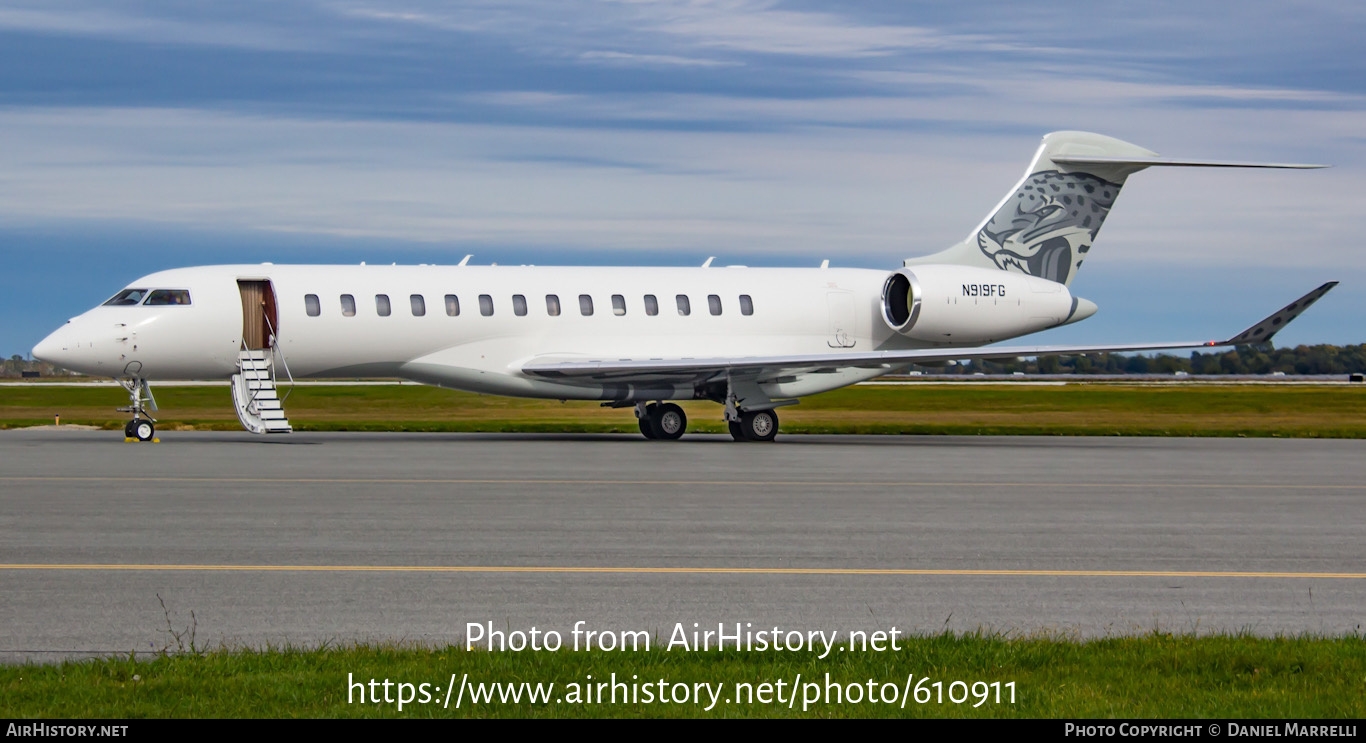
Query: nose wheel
point(140, 400)
point(140, 429)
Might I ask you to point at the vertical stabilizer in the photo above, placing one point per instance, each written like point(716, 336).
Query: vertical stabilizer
point(1047, 223)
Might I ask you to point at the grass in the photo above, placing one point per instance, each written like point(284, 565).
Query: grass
point(922, 408)
point(1152, 676)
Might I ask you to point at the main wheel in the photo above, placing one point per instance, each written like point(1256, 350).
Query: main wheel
point(128, 429)
point(759, 425)
point(736, 431)
point(143, 430)
point(668, 422)
point(647, 428)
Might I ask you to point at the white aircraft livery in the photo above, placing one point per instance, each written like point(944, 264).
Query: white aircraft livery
point(750, 339)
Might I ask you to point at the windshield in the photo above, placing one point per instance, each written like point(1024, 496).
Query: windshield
point(127, 297)
point(168, 296)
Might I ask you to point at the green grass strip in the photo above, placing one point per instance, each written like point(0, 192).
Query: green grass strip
point(922, 408)
point(1152, 676)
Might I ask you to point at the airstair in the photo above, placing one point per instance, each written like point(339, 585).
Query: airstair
point(255, 395)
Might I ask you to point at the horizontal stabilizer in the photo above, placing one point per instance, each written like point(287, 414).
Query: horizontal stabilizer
point(1145, 162)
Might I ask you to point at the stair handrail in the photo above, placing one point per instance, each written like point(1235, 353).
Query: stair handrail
point(275, 349)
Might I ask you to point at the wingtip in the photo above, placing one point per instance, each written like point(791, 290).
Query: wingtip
point(1272, 324)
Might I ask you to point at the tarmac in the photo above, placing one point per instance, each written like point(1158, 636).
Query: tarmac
point(306, 539)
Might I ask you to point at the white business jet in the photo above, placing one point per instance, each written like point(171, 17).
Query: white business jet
point(750, 339)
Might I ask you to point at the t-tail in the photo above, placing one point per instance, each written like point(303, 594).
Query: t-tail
point(1046, 225)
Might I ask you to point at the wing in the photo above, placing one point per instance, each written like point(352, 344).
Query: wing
point(701, 369)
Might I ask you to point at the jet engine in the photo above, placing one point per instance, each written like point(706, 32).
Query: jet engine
point(963, 304)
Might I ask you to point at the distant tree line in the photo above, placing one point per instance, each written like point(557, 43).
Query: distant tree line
point(1321, 359)
point(16, 365)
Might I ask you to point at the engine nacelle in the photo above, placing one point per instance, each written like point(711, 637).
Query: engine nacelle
point(963, 304)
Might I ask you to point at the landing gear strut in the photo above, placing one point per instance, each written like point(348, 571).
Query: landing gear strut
point(140, 401)
point(664, 421)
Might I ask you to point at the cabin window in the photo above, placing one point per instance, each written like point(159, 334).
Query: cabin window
point(418, 304)
point(452, 305)
point(382, 307)
point(585, 304)
point(312, 306)
point(684, 306)
point(714, 304)
point(127, 297)
point(348, 305)
point(746, 305)
point(552, 305)
point(618, 305)
point(651, 305)
point(168, 297)
point(519, 305)
point(485, 305)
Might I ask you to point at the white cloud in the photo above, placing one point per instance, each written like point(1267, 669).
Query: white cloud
point(624, 58)
point(868, 197)
point(109, 21)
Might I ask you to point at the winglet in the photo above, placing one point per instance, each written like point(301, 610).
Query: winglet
point(1262, 331)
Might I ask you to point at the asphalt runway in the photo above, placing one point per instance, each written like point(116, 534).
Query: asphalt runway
point(335, 538)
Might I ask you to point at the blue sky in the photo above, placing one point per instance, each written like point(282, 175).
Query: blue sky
point(137, 136)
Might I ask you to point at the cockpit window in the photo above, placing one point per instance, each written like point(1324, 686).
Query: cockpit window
point(127, 297)
point(168, 296)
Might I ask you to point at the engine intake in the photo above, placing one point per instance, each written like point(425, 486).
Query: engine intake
point(901, 300)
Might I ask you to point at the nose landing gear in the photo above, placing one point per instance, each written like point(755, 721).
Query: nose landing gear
point(141, 428)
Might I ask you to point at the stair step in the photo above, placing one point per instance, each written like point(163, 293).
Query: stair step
point(258, 403)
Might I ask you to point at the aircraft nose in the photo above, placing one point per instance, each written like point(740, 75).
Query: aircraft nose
point(55, 348)
point(47, 349)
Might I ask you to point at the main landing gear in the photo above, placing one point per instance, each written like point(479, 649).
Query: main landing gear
point(755, 425)
point(664, 421)
point(141, 428)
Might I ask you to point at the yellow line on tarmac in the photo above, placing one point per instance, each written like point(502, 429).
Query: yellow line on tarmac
point(732, 483)
point(682, 571)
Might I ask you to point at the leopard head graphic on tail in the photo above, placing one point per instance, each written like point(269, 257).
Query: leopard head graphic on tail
point(1048, 225)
